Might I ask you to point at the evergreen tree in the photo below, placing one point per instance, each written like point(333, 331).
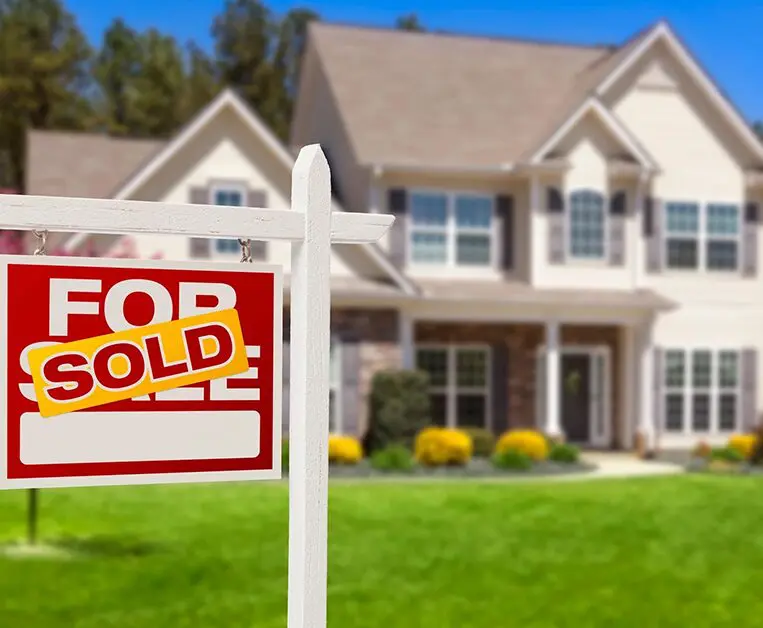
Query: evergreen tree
point(44, 77)
point(409, 22)
point(202, 82)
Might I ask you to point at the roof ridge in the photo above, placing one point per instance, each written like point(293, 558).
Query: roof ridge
point(95, 134)
point(465, 36)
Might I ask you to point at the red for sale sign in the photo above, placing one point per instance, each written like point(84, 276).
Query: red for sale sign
point(223, 428)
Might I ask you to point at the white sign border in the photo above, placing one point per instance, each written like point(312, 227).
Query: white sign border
point(161, 478)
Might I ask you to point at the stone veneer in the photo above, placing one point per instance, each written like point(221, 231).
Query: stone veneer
point(522, 341)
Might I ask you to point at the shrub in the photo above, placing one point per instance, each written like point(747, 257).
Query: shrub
point(563, 452)
point(399, 407)
point(743, 443)
point(483, 441)
point(438, 446)
point(702, 450)
point(392, 458)
point(285, 454)
point(757, 453)
point(727, 454)
point(512, 459)
point(344, 450)
point(529, 442)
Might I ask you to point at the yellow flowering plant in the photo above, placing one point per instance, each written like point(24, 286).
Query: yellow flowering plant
point(438, 446)
point(344, 450)
point(529, 442)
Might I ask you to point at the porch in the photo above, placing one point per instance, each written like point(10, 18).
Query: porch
point(572, 380)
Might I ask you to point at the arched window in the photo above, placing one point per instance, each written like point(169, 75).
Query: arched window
point(586, 224)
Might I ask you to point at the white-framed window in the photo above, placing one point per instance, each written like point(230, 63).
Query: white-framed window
point(702, 391)
point(335, 387)
point(227, 194)
point(587, 225)
point(702, 236)
point(459, 383)
point(454, 229)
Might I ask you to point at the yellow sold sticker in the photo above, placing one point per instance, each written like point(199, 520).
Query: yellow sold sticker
point(136, 362)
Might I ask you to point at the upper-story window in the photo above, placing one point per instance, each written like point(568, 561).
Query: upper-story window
point(586, 225)
point(702, 237)
point(227, 195)
point(451, 229)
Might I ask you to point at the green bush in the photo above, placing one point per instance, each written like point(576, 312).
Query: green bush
point(512, 459)
point(727, 454)
point(399, 408)
point(392, 458)
point(285, 454)
point(483, 440)
point(563, 452)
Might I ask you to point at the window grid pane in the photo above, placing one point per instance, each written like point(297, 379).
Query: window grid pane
point(434, 362)
point(474, 212)
point(728, 369)
point(587, 225)
point(471, 410)
point(682, 218)
point(473, 250)
point(429, 210)
point(682, 253)
point(674, 369)
point(471, 368)
point(700, 420)
point(723, 220)
point(701, 369)
point(727, 412)
point(722, 254)
point(674, 412)
point(429, 248)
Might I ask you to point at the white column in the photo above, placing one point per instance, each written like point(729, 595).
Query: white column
point(646, 427)
point(553, 415)
point(406, 341)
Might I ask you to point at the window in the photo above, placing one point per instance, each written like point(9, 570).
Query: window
point(227, 196)
point(452, 229)
point(701, 391)
point(587, 217)
point(702, 237)
point(459, 380)
point(335, 383)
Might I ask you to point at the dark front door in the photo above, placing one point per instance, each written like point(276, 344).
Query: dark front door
point(576, 397)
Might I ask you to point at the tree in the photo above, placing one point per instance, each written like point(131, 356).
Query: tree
point(202, 81)
point(758, 128)
point(116, 68)
point(44, 76)
point(242, 35)
point(409, 22)
point(286, 66)
point(159, 86)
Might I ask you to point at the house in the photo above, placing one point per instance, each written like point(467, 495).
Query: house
point(577, 238)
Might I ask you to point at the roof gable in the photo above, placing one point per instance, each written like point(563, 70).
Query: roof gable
point(445, 101)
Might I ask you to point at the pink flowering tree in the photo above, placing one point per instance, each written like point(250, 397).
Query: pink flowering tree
point(13, 243)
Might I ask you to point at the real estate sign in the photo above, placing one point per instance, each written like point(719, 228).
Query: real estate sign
point(136, 372)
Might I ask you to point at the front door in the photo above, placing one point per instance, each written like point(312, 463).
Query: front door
point(576, 397)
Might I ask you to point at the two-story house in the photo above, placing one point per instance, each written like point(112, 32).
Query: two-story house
point(576, 245)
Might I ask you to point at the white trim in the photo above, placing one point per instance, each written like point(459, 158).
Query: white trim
point(612, 123)
point(592, 351)
point(664, 32)
point(714, 391)
point(452, 390)
point(451, 231)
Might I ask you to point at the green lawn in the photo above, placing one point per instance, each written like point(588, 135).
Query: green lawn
point(673, 551)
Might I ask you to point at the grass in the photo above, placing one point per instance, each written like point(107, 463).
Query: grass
point(672, 551)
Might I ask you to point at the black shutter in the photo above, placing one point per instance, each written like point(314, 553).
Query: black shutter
point(499, 387)
point(397, 204)
point(504, 207)
point(556, 224)
point(750, 240)
point(200, 248)
point(618, 206)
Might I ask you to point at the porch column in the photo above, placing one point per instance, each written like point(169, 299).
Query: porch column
point(646, 427)
point(553, 419)
point(406, 341)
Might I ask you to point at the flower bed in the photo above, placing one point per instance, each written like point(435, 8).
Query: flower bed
point(450, 453)
point(738, 456)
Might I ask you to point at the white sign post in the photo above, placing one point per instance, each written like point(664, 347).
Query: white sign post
point(312, 227)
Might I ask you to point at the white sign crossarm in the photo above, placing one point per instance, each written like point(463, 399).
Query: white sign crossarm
point(111, 216)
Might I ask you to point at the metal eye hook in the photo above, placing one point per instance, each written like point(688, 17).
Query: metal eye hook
point(42, 241)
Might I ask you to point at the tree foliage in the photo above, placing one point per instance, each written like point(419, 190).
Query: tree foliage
point(409, 22)
point(135, 83)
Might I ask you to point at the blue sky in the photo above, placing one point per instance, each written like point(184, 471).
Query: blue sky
point(727, 37)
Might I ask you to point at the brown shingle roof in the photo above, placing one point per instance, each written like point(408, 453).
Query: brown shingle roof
point(82, 164)
point(452, 101)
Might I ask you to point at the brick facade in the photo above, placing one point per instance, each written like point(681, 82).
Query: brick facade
point(522, 341)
